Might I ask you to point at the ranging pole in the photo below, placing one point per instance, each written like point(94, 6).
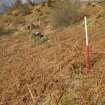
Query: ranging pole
point(87, 45)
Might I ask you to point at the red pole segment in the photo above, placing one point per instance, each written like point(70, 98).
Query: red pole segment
point(87, 57)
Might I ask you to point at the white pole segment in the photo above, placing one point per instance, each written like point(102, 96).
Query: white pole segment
point(86, 31)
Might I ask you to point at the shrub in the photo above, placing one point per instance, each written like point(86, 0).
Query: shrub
point(22, 9)
point(68, 100)
point(65, 13)
point(38, 41)
point(38, 38)
point(5, 31)
point(25, 9)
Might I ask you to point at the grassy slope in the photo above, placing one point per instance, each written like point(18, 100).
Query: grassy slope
point(55, 71)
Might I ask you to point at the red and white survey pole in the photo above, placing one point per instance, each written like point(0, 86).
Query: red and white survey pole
point(87, 45)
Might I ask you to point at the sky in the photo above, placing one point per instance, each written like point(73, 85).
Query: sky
point(9, 3)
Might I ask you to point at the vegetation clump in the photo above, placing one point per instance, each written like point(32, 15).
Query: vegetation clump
point(6, 31)
point(65, 13)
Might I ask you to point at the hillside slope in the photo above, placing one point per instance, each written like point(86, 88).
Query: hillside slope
point(54, 71)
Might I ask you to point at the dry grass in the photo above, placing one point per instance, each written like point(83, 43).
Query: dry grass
point(54, 71)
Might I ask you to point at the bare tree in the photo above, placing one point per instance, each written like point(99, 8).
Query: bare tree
point(30, 1)
point(49, 3)
point(18, 2)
